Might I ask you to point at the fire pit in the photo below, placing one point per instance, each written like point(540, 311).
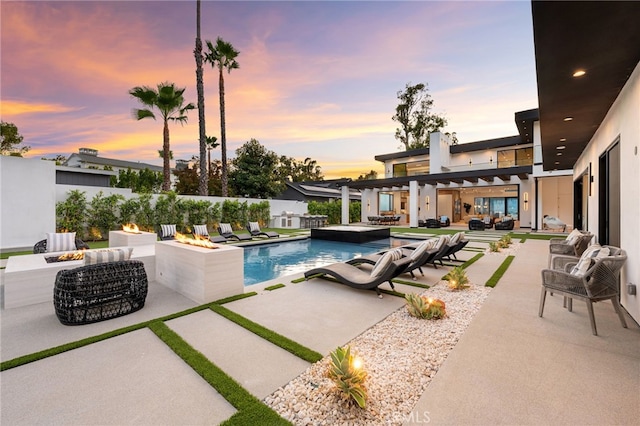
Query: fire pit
point(198, 241)
point(131, 228)
point(65, 257)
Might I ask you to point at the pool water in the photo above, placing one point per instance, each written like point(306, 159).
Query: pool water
point(269, 261)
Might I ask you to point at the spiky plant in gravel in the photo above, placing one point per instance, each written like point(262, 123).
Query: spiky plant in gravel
point(346, 372)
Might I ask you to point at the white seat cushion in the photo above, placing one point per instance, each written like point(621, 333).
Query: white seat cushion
point(61, 241)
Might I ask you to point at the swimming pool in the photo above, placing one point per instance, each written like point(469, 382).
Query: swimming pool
point(269, 261)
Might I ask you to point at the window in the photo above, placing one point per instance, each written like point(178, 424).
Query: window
point(515, 157)
point(411, 169)
point(385, 201)
point(400, 170)
point(496, 206)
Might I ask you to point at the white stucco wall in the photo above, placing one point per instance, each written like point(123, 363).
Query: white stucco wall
point(623, 121)
point(28, 197)
point(27, 201)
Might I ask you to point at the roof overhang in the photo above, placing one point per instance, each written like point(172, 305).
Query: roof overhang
point(600, 37)
point(487, 175)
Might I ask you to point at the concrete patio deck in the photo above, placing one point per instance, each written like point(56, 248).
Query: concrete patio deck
point(510, 366)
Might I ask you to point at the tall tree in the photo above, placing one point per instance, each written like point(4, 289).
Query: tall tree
point(372, 174)
point(254, 170)
point(211, 142)
point(223, 55)
point(202, 183)
point(415, 117)
point(10, 138)
point(169, 102)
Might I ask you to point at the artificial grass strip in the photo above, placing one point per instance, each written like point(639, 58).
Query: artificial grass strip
point(491, 282)
point(274, 287)
point(234, 298)
point(37, 356)
point(285, 343)
point(226, 386)
point(299, 280)
point(411, 283)
point(392, 293)
point(528, 236)
point(471, 261)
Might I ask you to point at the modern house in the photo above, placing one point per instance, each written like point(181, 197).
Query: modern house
point(326, 190)
point(491, 178)
point(587, 126)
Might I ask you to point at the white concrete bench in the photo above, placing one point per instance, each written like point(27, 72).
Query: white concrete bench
point(29, 279)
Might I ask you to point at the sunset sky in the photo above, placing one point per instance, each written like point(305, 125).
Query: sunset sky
point(316, 79)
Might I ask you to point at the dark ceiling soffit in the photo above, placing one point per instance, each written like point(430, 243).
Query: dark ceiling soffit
point(601, 37)
point(524, 123)
point(402, 154)
point(486, 144)
point(487, 175)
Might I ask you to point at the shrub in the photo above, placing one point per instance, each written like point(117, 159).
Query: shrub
point(260, 212)
point(494, 246)
point(425, 307)
point(348, 375)
point(506, 239)
point(169, 210)
point(458, 279)
point(103, 215)
point(129, 211)
point(146, 215)
point(71, 213)
point(235, 213)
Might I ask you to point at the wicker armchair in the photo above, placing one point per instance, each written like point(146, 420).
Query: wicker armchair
point(600, 282)
point(41, 246)
point(99, 292)
point(560, 246)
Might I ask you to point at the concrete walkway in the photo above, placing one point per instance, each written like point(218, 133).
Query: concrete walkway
point(510, 367)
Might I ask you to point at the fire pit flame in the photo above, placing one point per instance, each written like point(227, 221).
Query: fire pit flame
point(72, 255)
point(198, 241)
point(131, 228)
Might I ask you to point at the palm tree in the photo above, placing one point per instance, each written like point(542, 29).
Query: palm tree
point(223, 55)
point(211, 142)
point(169, 102)
point(202, 184)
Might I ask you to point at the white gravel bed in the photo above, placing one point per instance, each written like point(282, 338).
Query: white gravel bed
point(401, 355)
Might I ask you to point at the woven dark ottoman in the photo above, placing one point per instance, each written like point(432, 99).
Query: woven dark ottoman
point(433, 223)
point(99, 292)
point(476, 225)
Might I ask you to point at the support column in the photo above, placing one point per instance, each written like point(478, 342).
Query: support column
point(414, 203)
point(345, 205)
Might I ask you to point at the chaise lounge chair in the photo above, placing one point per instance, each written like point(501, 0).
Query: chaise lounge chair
point(254, 230)
point(385, 269)
point(419, 255)
point(455, 244)
point(226, 231)
point(201, 232)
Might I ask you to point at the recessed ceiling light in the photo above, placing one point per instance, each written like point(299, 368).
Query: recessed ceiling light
point(559, 153)
point(560, 147)
point(557, 162)
point(563, 139)
point(579, 73)
point(568, 118)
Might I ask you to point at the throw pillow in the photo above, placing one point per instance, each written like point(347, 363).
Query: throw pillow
point(61, 241)
point(254, 227)
point(383, 263)
point(593, 252)
point(419, 251)
point(443, 240)
point(225, 228)
point(168, 230)
point(94, 257)
point(573, 236)
point(200, 230)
